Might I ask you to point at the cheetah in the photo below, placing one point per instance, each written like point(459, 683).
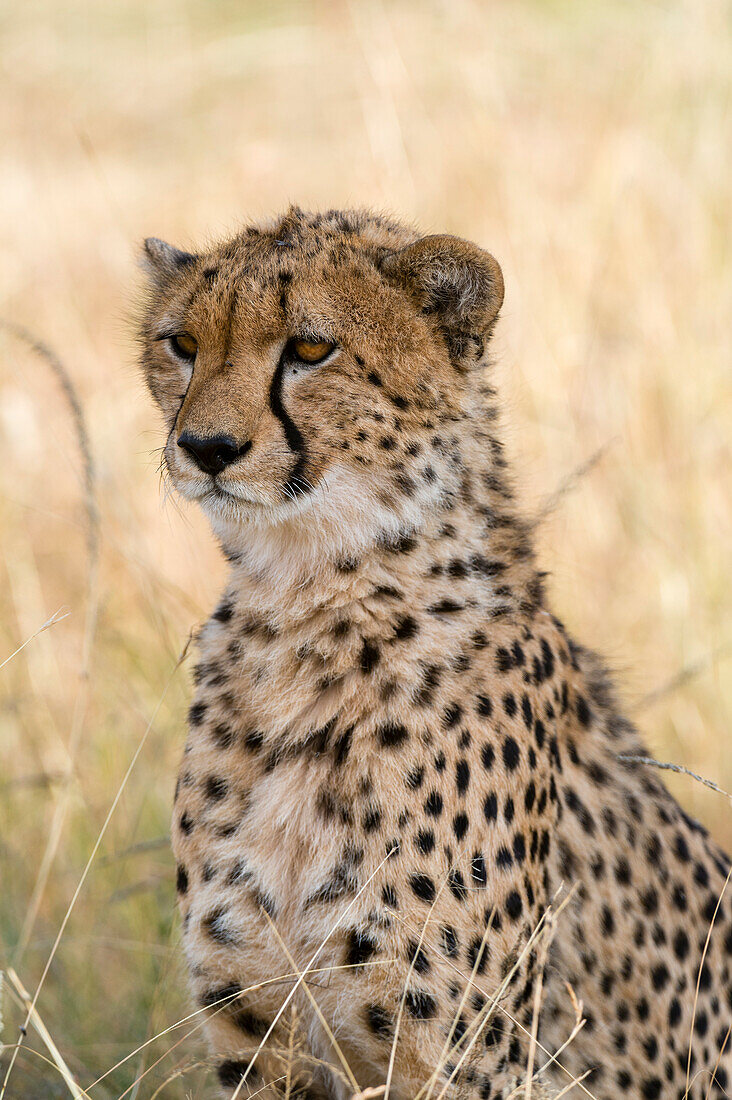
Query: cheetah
point(412, 851)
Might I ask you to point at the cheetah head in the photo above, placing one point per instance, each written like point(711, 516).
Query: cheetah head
point(306, 368)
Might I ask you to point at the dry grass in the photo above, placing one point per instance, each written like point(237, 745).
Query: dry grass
point(588, 146)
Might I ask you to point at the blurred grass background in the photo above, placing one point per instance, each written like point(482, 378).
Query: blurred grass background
point(589, 146)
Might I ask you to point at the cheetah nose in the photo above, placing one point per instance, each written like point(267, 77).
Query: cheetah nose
point(212, 453)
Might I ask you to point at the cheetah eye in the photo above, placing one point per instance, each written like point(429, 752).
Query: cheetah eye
point(311, 351)
point(183, 347)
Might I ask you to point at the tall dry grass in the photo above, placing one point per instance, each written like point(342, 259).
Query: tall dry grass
point(588, 145)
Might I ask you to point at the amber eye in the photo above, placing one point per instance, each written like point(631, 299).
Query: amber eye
point(184, 346)
point(311, 351)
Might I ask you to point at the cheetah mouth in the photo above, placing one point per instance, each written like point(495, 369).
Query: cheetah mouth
point(218, 494)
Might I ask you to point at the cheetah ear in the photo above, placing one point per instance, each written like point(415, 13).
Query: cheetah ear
point(455, 280)
point(162, 260)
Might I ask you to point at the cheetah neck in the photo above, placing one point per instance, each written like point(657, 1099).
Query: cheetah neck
point(460, 539)
point(356, 633)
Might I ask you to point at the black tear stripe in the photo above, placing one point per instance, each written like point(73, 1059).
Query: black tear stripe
point(296, 484)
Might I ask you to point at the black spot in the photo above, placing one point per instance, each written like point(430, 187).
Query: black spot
point(389, 897)
point(490, 807)
point(584, 713)
point(607, 921)
point(423, 887)
point(214, 998)
point(230, 1073)
point(420, 1004)
point(511, 753)
point(341, 747)
point(448, 941)
point(223, 736)
point(415, 778)
point(405, 628)
point(417, 957)
point(424, 841)
point(451, 715)
point(456, 883)
point(223, 612)
point(249, 1022)
point(392, 734)
point(681, 945)
point(445, 606)
point(622, 871)
point(509, 704)
point(462, 776)
point(530, 796)
point(493, 1032)
point(433, 804)
point(504, 661)
point(369, 656)
point(477, 955)
point(487, 755)
point(514, 905)
point(660, 976)
point(254, 740)
point(478, 870)
point(379, 1021)
point(216, 788)
point(359, 947)
point(181, 879)
point(460, 825)
point(548, 659)
point(504, 859)
point(196, 714)
point(214, 927)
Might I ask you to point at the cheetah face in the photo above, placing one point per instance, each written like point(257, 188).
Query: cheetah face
point(305, 369)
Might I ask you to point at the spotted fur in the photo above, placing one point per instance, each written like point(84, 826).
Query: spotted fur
point(397, 757)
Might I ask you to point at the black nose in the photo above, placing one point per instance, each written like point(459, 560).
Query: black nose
point(212, 453)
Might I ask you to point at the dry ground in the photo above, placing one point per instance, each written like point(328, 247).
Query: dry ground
point(588, 145)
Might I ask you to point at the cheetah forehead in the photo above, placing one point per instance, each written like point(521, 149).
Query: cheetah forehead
point(452, 281)
point(294, 244)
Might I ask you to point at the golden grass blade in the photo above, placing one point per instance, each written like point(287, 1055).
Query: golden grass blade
point(698, 980)
point(34, 1018)
point(572, 1084)
point(708, 1093)
point(57, 617)
point(678, 768)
